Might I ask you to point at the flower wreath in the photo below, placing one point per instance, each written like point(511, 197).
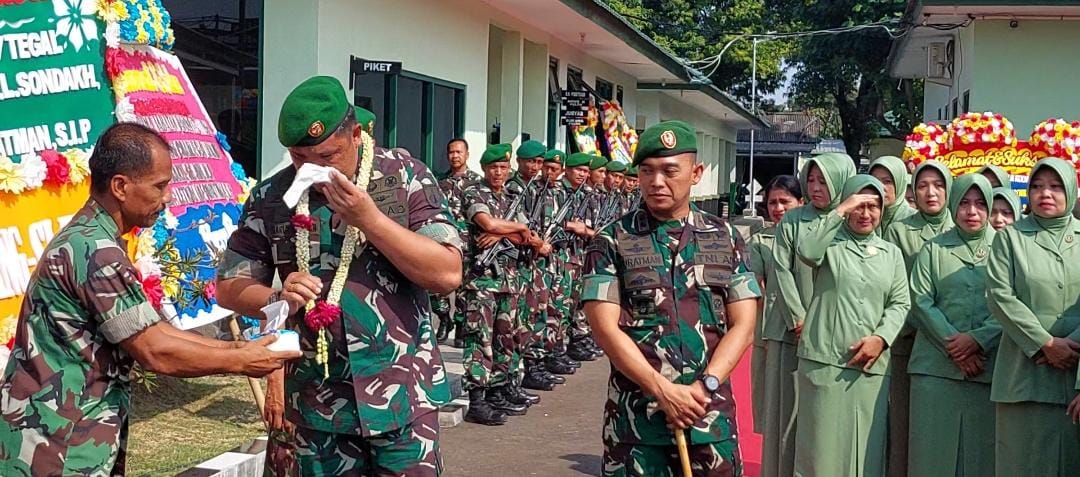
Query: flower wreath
point(320, 314)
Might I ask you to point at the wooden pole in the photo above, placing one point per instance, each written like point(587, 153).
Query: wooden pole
point(256, 388)
point(684, 452)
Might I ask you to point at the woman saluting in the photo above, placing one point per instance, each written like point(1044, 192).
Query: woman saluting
point(952, 361)
point(860, 302)
point(1034, 289)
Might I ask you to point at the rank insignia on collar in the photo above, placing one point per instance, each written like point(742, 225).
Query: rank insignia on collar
point(980, 253)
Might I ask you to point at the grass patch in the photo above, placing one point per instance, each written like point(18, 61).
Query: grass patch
point(183, 422)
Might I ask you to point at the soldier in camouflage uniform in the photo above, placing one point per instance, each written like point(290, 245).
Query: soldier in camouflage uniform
point(453, 186)
point(582, 345)
point(615, 184)
point(535, 281)
point(670, 298)
point(633, 193)
point(492, 332)
point(373, 410)
point(85, 321)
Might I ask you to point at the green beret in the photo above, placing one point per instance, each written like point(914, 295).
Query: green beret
point(668, 138)
point(616, 166)
point(312, 112)
point(554, 155)
point(578, 159)
point(366, 120)
point(496, 153)
point(597, 162)
point(530, 149)
point(631, 171)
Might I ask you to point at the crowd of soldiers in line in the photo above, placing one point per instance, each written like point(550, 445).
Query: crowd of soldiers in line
point(525, 233)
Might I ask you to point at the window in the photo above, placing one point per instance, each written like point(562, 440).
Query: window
point(618, 94)
point(605, 89)
point(967, 101)
point(217, 41)
point(414, 111)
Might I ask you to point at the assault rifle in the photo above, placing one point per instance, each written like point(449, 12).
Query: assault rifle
point(556, 231)
point(487, 259)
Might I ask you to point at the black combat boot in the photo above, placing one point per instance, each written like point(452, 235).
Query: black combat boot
point(554, 366)
point(579, 351)
point(459, 336)
point(510, 394)
point(591, 345)
point(564, 359)
point(480, 412)
point(519, 394)
point(535, 379)
point(443, 332)
point(496, 397)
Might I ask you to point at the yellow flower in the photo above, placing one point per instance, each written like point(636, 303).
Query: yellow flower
point(145, 244)
point(10, 178)
point(79, 168)
point(7, 328)
point(170, 285)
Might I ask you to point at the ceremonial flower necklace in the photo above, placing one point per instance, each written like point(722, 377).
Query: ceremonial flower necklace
point(318, 315)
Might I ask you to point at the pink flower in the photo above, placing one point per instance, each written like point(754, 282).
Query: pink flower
point(302, 221)
point(152, 288)
point(322, 315)
point(57, 168)
point(210, 290)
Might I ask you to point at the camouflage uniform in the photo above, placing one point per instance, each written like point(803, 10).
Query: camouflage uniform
point(453, 187)
point(386, 373)
point(593, 197)
point(568, 265)
point(66, 389)
point(490, 324)
point(673, 281)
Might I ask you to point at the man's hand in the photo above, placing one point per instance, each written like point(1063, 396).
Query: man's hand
point(274, 410)
point(544, 249)
point(961, 346)
point(867, 350)
point(300, 288)
point(854, 202)
point(488, 240)
point(682, 405)
point(577, 228)
point(256, 361)
point(352, 204)
point(798, 330)
point(1061, 353)
point(971, 366)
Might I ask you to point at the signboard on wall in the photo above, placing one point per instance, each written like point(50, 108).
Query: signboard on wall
point(575, 108)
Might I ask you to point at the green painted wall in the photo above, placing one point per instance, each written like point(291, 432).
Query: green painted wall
point(1028, 73)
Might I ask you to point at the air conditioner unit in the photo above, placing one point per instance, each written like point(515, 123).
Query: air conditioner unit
point(939, 61)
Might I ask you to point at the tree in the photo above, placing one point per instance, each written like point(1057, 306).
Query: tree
point(849, 72)
point(699, 29)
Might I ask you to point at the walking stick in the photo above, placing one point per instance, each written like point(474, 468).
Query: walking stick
point(684, 452)
point(256, 388)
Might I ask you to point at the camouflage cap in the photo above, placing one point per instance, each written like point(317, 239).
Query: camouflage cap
point(496, 153)
point(579, 159)
point(554, 155)
point(597, 163)
point(668, 138)
point(312, 112)
point(616, 166)
point(366, 119)
point(530, 149)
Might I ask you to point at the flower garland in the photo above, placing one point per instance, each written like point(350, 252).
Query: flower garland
point(926, 141)
point(49, 167)
point(144, 22)
point(982, 128)
point(319, 315)
point(1058, 138)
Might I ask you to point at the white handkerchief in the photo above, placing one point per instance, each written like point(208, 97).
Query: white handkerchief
point(308, 175)
point(276, 313)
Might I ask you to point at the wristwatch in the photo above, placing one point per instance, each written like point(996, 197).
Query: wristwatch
point(274, 297)
point(711, 383)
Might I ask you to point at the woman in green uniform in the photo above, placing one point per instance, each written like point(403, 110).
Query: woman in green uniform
point(773, 362)
point(952, 418)
point(996, 175)
point(1006, 208)
point(892, 172)
point(860, 301)
point(1033, 285)
point(932, 181)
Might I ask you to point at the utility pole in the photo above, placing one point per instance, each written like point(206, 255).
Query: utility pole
point(753, 110)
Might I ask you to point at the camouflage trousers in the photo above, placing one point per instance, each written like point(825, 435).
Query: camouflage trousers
point(578, 324)
point(412, 451)
point(537, 313)
point(716, 459)
point(440, 306)
point(490, 354)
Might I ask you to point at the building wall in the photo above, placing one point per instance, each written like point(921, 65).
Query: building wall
point(501, 60)
point(939, 97)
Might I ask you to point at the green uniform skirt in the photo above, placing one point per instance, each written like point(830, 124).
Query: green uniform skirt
point(843, 421)
point(951, 428)
point(758, 369)
point(778, 449)
point(1036, 439)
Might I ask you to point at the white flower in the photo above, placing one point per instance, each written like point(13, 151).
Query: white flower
point(112, 35)
point(125, 111)
point(76, 20)
point(33, 170)
point(171, 222)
